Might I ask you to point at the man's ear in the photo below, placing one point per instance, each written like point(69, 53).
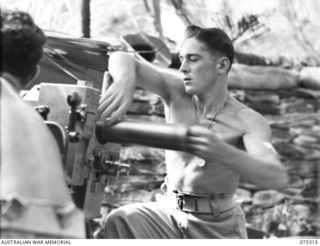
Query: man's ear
point(223, 64)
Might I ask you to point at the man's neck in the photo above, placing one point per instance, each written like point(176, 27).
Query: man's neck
point(14, 81)
point(214, 99)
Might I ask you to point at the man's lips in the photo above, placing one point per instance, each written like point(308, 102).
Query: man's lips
point(187, 80)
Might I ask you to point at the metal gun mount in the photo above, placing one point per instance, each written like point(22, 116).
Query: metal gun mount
point(90, 149)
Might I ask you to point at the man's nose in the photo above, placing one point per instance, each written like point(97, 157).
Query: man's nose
point(184, 67)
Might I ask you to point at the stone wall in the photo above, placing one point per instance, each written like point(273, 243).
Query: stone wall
point(290, 101)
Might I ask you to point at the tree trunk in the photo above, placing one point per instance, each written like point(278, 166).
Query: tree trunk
point(157, 17)
point(85, 18)
point(179, 7)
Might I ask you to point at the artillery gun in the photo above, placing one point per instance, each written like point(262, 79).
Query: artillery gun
point(89, 148)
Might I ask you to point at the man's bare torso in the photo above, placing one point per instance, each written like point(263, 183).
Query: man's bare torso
point(183, 169)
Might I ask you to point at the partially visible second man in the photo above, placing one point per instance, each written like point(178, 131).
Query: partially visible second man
point(35, 201)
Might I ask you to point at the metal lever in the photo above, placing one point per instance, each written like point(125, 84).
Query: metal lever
point(117, 167)
point(109, 167)
point(74, 100)
point(43, 110)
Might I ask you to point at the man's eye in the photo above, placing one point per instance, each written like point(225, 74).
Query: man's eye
point(193, 58)
point(188, 58)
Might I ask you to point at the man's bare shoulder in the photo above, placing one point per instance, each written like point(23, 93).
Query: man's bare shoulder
point(251, 120)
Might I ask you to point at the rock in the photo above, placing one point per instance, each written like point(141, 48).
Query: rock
point(303, 168)
point(289, 150)
point(240, 95)
point(295, 182)
point(299, 93)
point(144, 160)
point(262, 78)
point(122, 198)
point(267, 198)
point(297, 105)
point(249, 186)
point(284, 126)
point(292, 192)
point(281, 134)
point(136, 182)
point(300, 121)
point(275, 221)
point(266, 108)
point(288, 219)
point(295, 119)
point(314, 131)
point(140, 107)
point(294, 152)
point(158, 108)
point(254, 216)
point(299, 130)
point(146, 96)
point(307, 141)
point(308, 93)
point(313, 155)
point(299, 218)
point(243, 196)
point(141, 153)
point(311, 188)
point(262, 97)
point(146, 103)
point(310, 77)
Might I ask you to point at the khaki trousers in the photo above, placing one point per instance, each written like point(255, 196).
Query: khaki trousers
point(160, 220)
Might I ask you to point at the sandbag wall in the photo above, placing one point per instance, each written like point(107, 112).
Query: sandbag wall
point(290, 101)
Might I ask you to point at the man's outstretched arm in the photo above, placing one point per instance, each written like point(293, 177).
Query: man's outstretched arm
point(127, 72)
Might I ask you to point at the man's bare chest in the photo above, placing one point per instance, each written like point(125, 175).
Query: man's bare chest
point(226, 124)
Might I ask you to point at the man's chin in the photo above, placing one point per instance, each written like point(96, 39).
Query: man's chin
point(189, 91)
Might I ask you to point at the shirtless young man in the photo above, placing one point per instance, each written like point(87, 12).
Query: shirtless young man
point(227, 141)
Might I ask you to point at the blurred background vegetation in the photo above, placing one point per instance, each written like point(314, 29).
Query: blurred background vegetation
point(285, 32)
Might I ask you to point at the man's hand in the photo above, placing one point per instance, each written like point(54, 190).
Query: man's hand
point(116, 100)
point(206, 144)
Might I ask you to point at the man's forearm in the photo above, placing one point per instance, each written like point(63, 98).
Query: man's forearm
point(265, 171)
point(116, 100)
point(122, 67)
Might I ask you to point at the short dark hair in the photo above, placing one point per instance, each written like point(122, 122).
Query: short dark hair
point(21, 43)
point(215, 39)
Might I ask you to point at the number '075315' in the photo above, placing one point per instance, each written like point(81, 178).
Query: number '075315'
point(308, 242)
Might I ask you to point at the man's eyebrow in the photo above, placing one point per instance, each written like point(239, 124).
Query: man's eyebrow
point(190, 54)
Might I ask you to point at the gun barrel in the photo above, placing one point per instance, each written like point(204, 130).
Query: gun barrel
point(157, 135)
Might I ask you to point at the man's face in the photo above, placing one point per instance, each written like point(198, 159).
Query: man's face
point(199, 67)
